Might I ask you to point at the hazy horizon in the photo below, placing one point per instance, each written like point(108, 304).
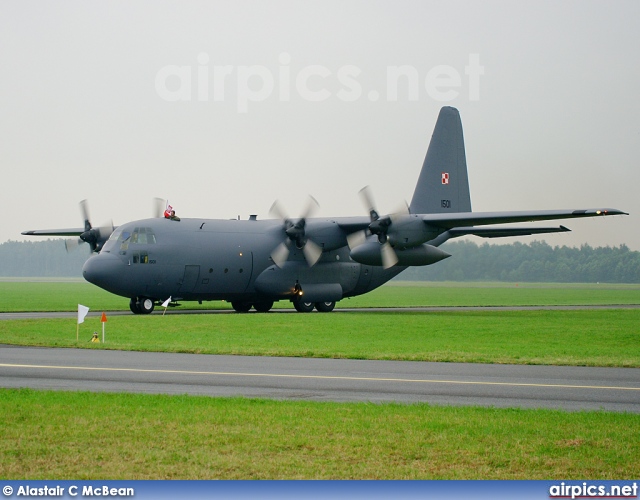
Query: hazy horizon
point(224, 107)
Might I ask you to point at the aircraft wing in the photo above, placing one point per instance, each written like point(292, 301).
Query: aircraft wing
point(54, 232)
point(353, 224)
point(463, 219)
point(501, 232)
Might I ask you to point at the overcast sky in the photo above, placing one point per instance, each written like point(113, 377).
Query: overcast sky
point(225, 106)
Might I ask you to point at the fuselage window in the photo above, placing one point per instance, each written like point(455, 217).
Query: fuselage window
point(140, 258)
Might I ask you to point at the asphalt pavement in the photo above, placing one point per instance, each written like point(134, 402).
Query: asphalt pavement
point(521, 386)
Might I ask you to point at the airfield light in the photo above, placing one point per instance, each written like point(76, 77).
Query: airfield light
point(598, 212)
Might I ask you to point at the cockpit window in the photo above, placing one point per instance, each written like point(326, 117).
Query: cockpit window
point(122, 238)
point(143, 236)
point(125, 239)
point(113, 240)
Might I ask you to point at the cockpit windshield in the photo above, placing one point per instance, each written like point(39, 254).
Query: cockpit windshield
point(121, 238)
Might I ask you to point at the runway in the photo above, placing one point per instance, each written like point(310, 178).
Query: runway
point(521, 386)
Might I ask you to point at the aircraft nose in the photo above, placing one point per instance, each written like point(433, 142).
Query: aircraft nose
point(102, 269)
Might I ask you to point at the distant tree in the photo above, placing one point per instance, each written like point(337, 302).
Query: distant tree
point(41, 258)
point(537, 261)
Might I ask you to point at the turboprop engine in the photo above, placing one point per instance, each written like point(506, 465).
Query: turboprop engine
point(421, 255)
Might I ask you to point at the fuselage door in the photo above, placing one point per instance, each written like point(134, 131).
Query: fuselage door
point(189, 279)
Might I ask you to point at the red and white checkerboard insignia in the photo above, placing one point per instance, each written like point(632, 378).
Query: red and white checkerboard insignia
point(445, 178)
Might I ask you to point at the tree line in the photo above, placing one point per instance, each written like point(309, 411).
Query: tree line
point(533, 262)
point(41, 258)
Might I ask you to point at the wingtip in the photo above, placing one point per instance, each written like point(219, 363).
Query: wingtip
point(610, 211)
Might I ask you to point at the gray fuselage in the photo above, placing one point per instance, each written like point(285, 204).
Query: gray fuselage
point(212, 259)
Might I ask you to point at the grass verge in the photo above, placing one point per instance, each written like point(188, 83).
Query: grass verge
point(65, 296)
point(60, 435)
point(586, 337)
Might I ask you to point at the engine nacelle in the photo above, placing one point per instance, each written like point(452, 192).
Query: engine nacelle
point(370, 254)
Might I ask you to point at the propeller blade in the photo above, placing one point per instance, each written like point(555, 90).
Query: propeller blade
point(72, 244)
point(84, 209)
point(280, 254)
point(158, 207)
point(367, 199)
point(277, 210)
point(312, 252)
point(356, 239)
point(295, 232)
point(389, 257)
point(402, 210)
point(104, 232)
point(312, 206)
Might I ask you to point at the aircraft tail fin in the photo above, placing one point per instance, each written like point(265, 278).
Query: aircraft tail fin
point(443, 185)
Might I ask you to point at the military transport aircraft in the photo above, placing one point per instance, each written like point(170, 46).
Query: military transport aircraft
point(312, 262)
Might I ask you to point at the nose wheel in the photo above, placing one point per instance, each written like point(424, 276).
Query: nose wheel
point(141, 305)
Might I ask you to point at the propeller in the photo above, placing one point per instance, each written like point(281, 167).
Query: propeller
point(158, 207)
point(296, 234)
point(379, 226)
point(94, 236)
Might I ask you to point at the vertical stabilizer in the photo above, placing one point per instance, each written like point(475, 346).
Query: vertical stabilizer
point(443, 185)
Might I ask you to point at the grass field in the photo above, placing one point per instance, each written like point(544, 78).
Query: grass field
point(46, 295)
point(59, 435)
point(592, 337)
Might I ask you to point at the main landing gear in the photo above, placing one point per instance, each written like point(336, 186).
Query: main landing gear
point(305, 307)
point(242, 306)
point(141, 305)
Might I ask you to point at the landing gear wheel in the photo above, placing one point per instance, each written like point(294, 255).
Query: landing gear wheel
point(241, 306)
point(264, 306)
point(145, 305)
point(325, 307)
point(303, 307)
point(133, 305)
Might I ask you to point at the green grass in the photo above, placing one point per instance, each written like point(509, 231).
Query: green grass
point(410, 294)
point(58, 435)
point(586, 337)
point(65, 296)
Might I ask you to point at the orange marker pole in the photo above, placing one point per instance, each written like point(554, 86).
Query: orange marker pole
point(103, 320)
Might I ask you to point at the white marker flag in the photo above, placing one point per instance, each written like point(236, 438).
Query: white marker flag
point(82, 312)
point(165, 304)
